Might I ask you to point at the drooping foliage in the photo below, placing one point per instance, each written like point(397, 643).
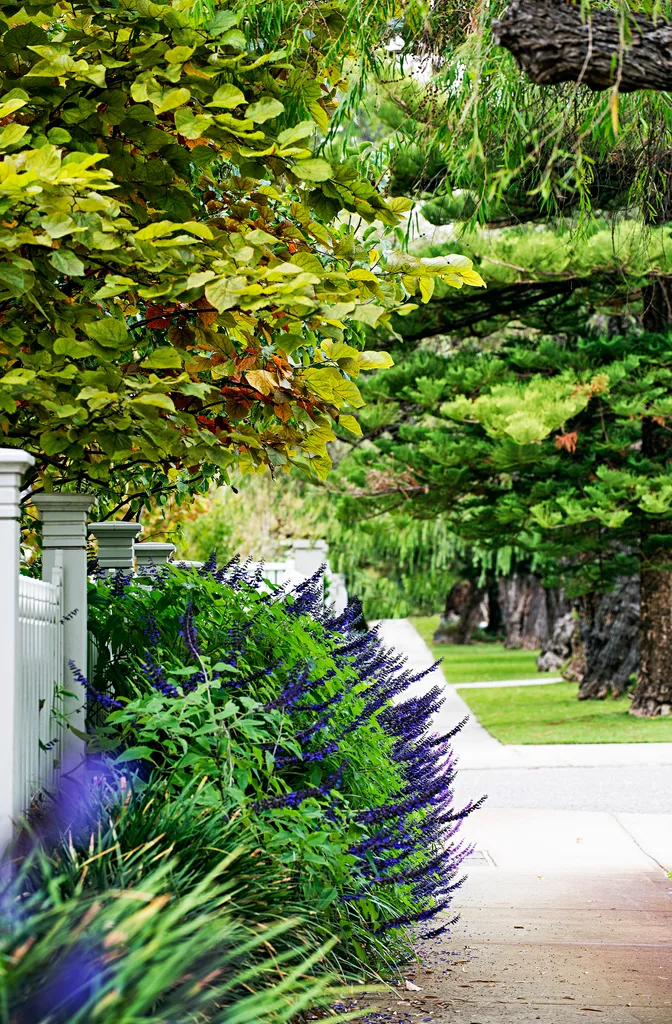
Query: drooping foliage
point(396, 566)
point(297, 725)
point(175, 292)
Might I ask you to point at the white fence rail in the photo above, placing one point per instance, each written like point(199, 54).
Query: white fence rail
point(42, 630)
point(40, 729)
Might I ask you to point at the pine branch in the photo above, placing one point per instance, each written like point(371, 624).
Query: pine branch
point(553, 43)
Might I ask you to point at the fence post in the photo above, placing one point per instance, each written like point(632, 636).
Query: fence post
point(115, 544)
point(13, 465)
point(64, 529)
point(152, 553)
point(309, 555)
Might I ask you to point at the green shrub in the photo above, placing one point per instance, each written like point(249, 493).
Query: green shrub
point(282, 717)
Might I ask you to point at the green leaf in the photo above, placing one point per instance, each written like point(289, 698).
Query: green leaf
point(172, 99)
point(67, 263)
point(139, 753)
point(259, 237)
point(165, 358)
point(114, 285)
point(368, 313)
point(371, 360)
point(156, 400)
point(109, 332)
point(11, 134)
point(222, 22)
point(350, 423)
point(234, 38)
point(23, 36)
point(179, 54)
point(59, 136)
point(12, 276)
point(18, 376)
point(72, 348)
point(313, 170)
point(300, 131)
point(58, 224)
point(227, 96)
point(266, 108)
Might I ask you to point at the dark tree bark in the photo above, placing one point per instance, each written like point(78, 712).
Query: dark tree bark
point(654, 691)
point(553, 43)
point(609, 633)
point(495, 620)
point(529, 610)
point(461, 615)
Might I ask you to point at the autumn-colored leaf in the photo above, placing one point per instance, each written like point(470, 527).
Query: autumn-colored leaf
point(567, 442)
point(246, 362)
point(159, 317)
point(283, 411)
point(207, 314)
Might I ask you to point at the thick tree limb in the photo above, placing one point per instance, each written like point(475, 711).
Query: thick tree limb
point(552, 44)
point(465, 310)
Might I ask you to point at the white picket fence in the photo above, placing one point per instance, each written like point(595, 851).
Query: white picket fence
point(40, 728)
point(43, 629)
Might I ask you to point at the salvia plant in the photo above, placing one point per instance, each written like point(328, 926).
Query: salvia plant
point(297, 726)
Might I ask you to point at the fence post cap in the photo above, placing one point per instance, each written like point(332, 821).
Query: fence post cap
point(58, 502)
point(149, 552)
point(319, 545)
point(115, 528)
point(15, 460)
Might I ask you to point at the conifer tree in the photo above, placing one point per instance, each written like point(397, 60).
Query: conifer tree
point(514, 153)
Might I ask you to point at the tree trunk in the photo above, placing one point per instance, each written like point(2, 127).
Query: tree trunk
point(461, 615)
point(553, 42)
point(529, 610)
point(495, 620)
point(609, 628)
point(654, 692)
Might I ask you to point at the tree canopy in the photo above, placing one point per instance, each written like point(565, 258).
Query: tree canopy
point(177, 294)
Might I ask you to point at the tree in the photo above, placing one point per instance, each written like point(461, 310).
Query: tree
point(175, 295)
point(568, 154)
point(535, 446)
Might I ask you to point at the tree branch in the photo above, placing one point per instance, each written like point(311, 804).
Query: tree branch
point(467, 310)
point(552, 43)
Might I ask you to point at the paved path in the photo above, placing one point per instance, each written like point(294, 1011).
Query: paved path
point(485, 685)
point(567, 912)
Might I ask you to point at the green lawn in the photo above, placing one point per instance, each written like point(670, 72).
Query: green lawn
point(478, 663)
point(552, 714)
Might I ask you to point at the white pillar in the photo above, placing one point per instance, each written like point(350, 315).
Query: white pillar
point(64, 528)
point(13, 465)
point(152, 553)
point(309, 555)
point(115, 544)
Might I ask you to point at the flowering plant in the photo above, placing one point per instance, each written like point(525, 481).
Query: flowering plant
point(293, 720)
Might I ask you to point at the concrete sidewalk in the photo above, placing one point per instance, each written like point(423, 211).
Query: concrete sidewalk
point(566, 912)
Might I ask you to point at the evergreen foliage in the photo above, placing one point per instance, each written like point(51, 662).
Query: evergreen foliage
point(536, 445)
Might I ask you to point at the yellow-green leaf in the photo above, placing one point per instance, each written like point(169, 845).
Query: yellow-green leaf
point(313, 170)
point(375, 360)
point(265, 108)
point(350, 423)
point(164, 358)
point(227, 96)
